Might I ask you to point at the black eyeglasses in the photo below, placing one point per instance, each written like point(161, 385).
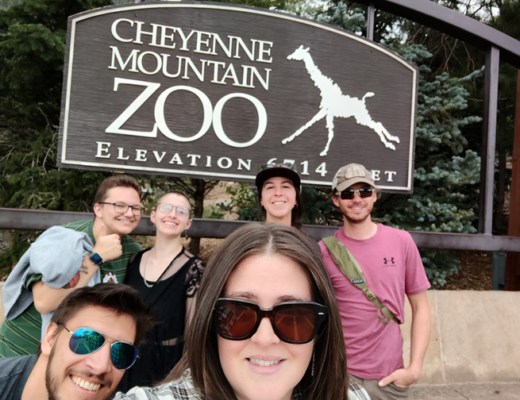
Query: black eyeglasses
point(273, 165)
point(122, 208)
point(349, 194)
point(85, 341)
point(167, 208)
point(294, 322)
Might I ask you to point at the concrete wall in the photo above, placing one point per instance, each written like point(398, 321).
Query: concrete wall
point(475, 337)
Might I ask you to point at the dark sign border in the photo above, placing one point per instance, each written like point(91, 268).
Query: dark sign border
point(68, 72)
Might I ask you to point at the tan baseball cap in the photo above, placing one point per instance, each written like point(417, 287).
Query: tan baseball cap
point(351, 174)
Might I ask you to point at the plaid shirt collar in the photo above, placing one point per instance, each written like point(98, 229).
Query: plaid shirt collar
point(183, 389)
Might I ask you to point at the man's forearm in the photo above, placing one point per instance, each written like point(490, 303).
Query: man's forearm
point(419, 339)
point(421, 329)
point(74, 281)
point(47, 299)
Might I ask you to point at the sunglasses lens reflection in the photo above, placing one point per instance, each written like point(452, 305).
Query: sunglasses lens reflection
point(292, 323)
point(123, 355)
point(295, 323)
point(87, 341)
point(236, 320)
point(349, 194)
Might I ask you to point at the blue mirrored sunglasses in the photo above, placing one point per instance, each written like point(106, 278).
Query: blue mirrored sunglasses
point(85, 341)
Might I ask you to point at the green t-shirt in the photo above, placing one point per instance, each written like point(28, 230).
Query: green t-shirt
point(21, 335)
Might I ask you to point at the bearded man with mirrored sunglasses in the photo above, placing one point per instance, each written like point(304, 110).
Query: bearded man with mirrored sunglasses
point(389, 266)
point(65, 258)
point(86, 349)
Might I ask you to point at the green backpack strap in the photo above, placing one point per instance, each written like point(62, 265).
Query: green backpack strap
point(348, 265)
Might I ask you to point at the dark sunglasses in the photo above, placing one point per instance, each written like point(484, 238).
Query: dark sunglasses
point(85, 341)
point(294, 322)
point(349, 194)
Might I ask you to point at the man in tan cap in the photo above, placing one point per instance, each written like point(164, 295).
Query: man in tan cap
point(372, 267)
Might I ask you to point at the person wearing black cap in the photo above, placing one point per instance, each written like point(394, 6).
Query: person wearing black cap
point(279, 194)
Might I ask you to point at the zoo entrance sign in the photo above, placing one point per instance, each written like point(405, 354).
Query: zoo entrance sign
point(214, 91)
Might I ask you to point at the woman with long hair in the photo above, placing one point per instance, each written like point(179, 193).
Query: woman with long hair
point(279, 194)
point(167, 277)
point(267, 326)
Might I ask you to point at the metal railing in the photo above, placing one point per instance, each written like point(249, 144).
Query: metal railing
point(496, 44)
point(215, 228)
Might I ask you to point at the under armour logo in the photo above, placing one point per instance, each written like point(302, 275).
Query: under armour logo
point(391, 260)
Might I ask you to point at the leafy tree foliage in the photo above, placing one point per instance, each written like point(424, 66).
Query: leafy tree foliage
point(318, 208)
point(32, 49)
point(32, 44)
point(457, 58)
point(447, 172)
point(507, 22)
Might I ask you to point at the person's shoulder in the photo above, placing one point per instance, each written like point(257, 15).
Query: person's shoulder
point(179, 389)
point(336, 235)
point(324, 249)
point(12, 366)
point(395, 232)
point(130, 243)
point(195, 259)
point(80, 226)
point(322, 246)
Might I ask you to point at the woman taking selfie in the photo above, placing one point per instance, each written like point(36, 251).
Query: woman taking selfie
point(167, 277)
point(266, 327)
point(279, 194)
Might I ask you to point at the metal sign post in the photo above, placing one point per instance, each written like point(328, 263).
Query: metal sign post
point(512, 279)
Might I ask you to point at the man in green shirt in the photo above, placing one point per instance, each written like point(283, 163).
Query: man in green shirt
point(118, 210)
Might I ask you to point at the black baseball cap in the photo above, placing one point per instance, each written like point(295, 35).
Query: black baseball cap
point(285, 170)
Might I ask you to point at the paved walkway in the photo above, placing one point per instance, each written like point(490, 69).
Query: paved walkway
point(467, 391)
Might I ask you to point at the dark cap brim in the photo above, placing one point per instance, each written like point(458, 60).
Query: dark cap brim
point(283, 172)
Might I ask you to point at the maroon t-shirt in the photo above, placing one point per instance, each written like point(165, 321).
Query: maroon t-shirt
point(392, 267)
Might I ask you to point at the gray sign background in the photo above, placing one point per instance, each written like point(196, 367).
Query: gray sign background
point(355, 65)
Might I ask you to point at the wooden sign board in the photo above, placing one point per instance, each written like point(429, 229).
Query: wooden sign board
point(214, 91)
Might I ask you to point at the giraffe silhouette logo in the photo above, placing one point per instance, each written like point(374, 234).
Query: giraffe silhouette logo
point(335, 104)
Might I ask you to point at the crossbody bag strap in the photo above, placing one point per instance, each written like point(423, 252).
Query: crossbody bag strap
point(348, 265)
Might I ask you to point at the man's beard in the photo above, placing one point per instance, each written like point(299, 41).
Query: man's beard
point(356, 221)
point(52, 382)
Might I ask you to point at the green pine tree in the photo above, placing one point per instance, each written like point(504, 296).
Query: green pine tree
point(447, 171)
point(32, 49)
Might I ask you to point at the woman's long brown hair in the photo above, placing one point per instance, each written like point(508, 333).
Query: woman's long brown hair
point(330, 380)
